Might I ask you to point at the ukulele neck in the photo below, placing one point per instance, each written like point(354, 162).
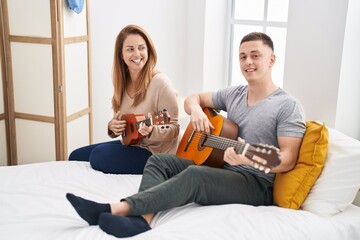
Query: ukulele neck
point(148, 122)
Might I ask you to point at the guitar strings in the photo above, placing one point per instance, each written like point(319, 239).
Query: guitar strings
point(218, 141)
point(222, 143)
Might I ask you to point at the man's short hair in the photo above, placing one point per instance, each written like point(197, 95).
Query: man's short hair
point(255, 36)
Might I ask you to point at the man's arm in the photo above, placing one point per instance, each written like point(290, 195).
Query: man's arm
point(198, 101)
point(193, 106)
point(289, 152)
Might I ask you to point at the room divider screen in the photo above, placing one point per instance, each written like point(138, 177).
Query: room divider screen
point(45, 106)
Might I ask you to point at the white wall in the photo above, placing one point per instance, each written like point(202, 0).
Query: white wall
point(313, 55)
point(348, 109)
point(207, 42)
point(216, 43)
point(321, 68)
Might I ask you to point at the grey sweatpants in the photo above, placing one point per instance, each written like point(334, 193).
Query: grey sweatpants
point(169, 181)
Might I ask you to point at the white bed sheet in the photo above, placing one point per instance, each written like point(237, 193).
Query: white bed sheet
point(33, 206)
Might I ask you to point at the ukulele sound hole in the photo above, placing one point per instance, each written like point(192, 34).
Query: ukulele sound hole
point(132, 128)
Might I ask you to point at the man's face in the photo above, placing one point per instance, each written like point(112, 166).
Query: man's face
point(256, 61)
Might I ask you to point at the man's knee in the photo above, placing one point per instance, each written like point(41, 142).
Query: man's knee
point(160, 158)
point(196, 174)
point(196, 170)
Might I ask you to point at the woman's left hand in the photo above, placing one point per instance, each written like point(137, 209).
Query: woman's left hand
point(145, 130)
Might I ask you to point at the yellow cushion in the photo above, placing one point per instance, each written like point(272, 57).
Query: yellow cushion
point(291, 188)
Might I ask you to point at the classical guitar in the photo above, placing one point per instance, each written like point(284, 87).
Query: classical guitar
point(131, 134)
point(208, 149)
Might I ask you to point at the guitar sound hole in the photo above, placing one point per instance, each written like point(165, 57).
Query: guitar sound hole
point(202, 141)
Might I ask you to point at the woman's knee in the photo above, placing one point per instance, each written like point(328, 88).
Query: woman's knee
point(97, 158)
point(80, 154)
point(73, 155)
point(84, 153)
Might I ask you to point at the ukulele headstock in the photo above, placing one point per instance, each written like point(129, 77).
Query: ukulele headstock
point(265, 157)
point(161, 118)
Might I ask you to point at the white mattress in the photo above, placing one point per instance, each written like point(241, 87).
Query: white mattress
point(33, 206)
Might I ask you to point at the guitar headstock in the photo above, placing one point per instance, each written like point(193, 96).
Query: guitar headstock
point(265, 157)
point(161, 118)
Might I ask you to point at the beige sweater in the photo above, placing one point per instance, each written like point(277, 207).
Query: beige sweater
point(160, 95)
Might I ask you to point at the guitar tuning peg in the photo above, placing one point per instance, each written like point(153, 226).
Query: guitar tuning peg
point(275, 148)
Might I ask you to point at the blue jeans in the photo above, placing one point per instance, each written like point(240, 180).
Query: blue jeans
point(113, 157)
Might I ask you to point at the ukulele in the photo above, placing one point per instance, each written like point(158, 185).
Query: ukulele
point(208, 149)
point(131, 134)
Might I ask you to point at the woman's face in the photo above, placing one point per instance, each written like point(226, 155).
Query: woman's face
point(135, 52)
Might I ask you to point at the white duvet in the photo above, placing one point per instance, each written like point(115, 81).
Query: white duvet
point(33, 206)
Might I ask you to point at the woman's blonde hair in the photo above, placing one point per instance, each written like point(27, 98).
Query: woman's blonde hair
point(121, 72)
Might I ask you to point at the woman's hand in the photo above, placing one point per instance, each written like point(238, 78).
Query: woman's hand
point(145, 130)
point(116, 125)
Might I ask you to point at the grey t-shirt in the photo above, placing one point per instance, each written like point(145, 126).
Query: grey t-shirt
point(279, 114)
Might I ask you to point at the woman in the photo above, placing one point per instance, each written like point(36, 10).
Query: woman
point(138, 89)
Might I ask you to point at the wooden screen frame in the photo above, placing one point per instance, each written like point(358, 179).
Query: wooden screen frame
point(57, 42)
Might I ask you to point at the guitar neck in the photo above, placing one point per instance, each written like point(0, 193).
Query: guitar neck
point(222, 143)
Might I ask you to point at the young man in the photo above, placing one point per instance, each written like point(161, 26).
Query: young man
point(263, 112)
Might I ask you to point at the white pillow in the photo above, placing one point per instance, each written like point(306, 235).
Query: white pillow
point(339, 182)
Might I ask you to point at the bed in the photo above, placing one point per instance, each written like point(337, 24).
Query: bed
point(33, 204)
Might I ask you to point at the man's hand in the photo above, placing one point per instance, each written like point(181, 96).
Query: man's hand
point(193, 105)
point(235, 159)
point(200, 121)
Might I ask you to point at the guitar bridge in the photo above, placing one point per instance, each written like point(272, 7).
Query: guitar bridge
point(189, 140)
